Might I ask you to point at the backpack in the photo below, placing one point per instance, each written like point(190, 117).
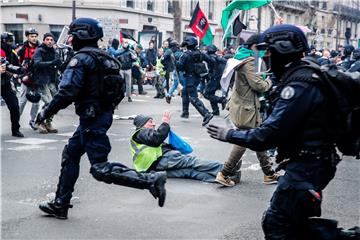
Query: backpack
point(110, 82)
point(200, 67)
point(342, 90)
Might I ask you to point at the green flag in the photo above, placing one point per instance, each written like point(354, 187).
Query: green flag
point(232, 10)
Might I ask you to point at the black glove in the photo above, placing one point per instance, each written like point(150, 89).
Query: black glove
point(56, 63)
point(40, 117)
point(217, 132)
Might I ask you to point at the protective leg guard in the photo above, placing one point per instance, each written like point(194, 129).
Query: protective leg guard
point(119, 174)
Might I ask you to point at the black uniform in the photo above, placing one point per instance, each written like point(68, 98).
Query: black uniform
point(94, 85)
point(190, 63)
point(216, 69)
point(8, 93)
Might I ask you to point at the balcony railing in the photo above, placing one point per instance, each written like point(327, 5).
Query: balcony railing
point(347, 12)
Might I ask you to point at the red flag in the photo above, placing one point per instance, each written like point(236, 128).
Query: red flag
point(199, 23)
point(121, 38)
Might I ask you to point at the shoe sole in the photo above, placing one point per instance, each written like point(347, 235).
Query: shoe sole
point(47, 211)
point(224, 184)
point(270, 183)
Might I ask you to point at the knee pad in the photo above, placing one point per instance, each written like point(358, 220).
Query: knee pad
point(102, 172)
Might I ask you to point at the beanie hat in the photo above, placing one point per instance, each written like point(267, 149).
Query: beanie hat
point(141, 120)
point(48, 35)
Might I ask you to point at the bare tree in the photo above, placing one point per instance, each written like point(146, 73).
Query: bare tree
point(176, 7)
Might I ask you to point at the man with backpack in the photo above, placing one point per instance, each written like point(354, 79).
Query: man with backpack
point(192, 64)
point(92, 81)
point(26, 54)
point(301, 126)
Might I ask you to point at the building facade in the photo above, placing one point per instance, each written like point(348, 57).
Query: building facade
point(140, 18)
point(327, 21)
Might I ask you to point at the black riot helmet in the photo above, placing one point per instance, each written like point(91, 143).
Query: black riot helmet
point(285, 39)
point(86, 29)
point(173, 44)
point(190, 42)
point(356, 54)
point(348, 49)
point(7, 37)
point(33, 96)
point(31, 31)
point(286, 43)
point(211, 49)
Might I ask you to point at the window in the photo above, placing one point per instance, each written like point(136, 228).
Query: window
point(150, 5)
point(192, 7)
point(297, 20)
point(17, 30)
point(211, 9)
point(288, 18)
point(170, 6)
point(56, 30)
point(130, 3)
point(324, 6)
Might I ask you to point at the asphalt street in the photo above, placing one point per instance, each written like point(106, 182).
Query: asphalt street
point(193, 209)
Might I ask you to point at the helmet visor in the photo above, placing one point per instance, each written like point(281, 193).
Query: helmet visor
point(64, 38)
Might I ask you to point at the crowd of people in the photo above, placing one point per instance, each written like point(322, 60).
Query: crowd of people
point(296, 125)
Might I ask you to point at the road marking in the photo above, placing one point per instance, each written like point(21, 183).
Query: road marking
point(32, 141)
point(252, 167)
point(26, 147)
point(68, 134)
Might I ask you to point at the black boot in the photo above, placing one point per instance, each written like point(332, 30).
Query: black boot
point(351, 233)
point(184, 115)
point(55, 208)
point(207, 119)
point(119, 174)
point(17, 133)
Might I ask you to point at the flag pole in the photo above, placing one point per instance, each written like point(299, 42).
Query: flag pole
point(229, 25)
point(273, 8)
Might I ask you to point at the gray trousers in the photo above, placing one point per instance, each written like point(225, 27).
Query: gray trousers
point(47, 92)
point(126, 74)
point(234, 161)
point(23, 100)
point(178, 165)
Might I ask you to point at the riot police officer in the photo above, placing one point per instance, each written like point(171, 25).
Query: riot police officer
point(7, 92)
point(213, 80)
point(192, 63)
point(355, 67)
point(346, 59)
point(80, 84)
point(299, 127)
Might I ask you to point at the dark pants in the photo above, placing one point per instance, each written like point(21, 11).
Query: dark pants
point(90, 138)
point(288, 217)
point(189, 95)
point(136, 74)
point(9, 96)
point(209, 93)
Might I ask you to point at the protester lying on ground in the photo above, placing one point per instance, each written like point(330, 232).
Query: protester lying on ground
point(151, 153)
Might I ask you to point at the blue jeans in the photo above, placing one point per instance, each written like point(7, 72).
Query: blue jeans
point(175, 83)
point(178, 165)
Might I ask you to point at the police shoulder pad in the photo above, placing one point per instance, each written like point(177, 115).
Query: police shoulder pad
point(287, 93)
point(73, 62)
